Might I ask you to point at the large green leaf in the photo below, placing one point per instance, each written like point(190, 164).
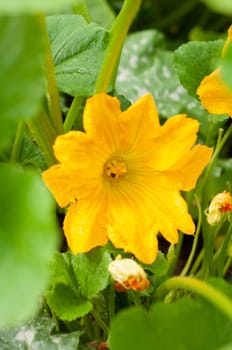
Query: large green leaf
point(194, 60)
point(78, 49)
point(21, 75)
point(91, 270)
point(185, 325)
point(28, 239)
point(15, 7)
point(146, 67)
point(38, 335)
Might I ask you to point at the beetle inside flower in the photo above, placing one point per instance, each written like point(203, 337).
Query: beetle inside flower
point(121, 178)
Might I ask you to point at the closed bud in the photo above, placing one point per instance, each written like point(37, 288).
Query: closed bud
point(128, 275)
point(219, 206)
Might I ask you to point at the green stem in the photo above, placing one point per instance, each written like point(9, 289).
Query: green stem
point(195, 241)
point(223, 251)
point(173, 263)
point(80, 8)
point(16, 149)
point(197, 262)
point(208, 266)
point(44, 134)
point(175, 16)
point(99, 321)
point(73, 113)
point(111, 301)
point(51, 85)
point(118, 34)
point(220, 143)
point(214, 296)
point(227, 265)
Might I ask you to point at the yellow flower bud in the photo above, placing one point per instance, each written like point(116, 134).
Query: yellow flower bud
point(128, 275)
point(219, 206)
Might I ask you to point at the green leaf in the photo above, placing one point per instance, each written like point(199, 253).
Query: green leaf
point(37, 335)
point(30, 154)
point(222, 6)
point(78, 49)
point(66, 304)
point(28, 239)
point(159, 268)
point(101, 12)
point(221, 176)
point(21, 73)
point(185, 325)
point(91, 270)
point(16, 7)
point(146, 67)
point(194, 60)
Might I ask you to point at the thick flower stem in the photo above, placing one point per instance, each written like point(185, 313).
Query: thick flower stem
point(44, 134)
point(208, 266)
point(214, 296)
point(118, 34)
point(73, 113)
point(194, 246)
point(51, 86)
point(16, 149)
point(223, 251)
point(80, 8)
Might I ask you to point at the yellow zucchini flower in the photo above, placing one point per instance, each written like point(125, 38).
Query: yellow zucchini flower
point(215, 96)
point(121, 178)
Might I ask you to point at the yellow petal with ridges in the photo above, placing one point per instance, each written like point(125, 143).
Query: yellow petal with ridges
point(178, 135)
point(85, 226)
point(140, 122)
point(100, 121)
point(188, 169)
point(135, 236)
point(59, 181)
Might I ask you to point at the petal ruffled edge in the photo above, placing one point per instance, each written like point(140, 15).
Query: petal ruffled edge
point(178, 134)
point(58, 181)
point(187, 170)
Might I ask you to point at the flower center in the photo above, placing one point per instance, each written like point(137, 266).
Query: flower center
point(114, 169)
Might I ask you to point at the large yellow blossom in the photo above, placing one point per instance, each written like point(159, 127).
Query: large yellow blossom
point(215, 96)
point(121, 177)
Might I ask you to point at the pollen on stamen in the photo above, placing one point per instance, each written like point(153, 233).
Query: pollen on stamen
point(114, 169)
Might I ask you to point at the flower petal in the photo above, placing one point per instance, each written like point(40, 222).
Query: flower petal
point(77, 151)
point(215, 96)
point(140, 122)
point(228, 40)
point(177, 137)
point(58, 180)
point(132, 229)
point(85, 226)
point(101, 121)
point(171, 213)
point(186, 171)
